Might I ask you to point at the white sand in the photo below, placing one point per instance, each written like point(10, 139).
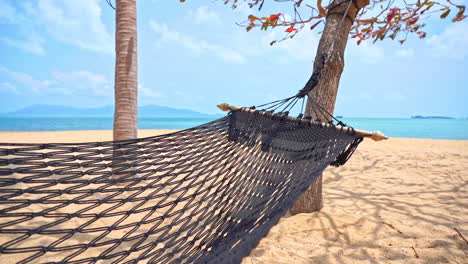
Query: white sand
point(397, 201)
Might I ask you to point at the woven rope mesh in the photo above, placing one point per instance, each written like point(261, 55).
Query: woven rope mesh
point(203, 195)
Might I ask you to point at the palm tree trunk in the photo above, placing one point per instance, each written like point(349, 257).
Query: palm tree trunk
point(326, 90)
point(126, 71)
point(126, 85)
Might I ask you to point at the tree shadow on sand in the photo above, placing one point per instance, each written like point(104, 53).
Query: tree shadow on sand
point(392, 210)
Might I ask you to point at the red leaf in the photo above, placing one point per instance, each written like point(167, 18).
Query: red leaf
point(458, 18)
point(274, 17)
point(314, 25)
point(291, 29)
point(359, 41)
point(413, 21)
point(392, 13)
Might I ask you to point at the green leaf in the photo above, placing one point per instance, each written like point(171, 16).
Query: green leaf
point(381, 37)
point(445, 14)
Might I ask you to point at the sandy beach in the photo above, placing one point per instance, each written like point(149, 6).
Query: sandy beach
point(397, 201)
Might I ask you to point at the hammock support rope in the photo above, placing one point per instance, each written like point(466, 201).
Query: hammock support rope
point(375, 135)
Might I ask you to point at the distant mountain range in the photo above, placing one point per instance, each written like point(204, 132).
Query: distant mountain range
point(106, 111)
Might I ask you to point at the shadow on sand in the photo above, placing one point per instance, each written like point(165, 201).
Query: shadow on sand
point(403, 208)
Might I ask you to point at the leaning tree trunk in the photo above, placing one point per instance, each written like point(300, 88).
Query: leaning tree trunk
point(325, 92)
point(126, 79)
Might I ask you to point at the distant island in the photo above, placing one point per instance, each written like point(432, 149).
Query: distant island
point(106, 111)
point(432, 117)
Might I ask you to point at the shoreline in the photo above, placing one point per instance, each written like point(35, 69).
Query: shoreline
point(83, 136)
point(72, 136)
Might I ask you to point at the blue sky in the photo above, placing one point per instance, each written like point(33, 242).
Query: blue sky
point(193, 55)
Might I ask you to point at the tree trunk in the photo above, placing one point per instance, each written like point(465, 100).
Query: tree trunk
point(126, 71)
point(326, 90)
point(126, 85)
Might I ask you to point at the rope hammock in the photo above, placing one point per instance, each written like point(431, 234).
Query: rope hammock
point(202, 195)
point(207, 194)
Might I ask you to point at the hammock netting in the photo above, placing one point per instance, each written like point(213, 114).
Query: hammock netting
point(202, 195)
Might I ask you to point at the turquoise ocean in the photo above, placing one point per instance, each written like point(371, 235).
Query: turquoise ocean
point(393, 127)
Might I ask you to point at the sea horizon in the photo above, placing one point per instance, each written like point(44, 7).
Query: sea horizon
point(452, 129)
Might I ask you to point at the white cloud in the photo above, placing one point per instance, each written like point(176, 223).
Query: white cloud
point(8, 13)
point(186, 96)
point(239, 45)
point(67, 83)
point(367, 52)
point(26, 81)
point(33, 43)
point(82, 82)
point(9, 87)
point(77, 23)
point(147, 92)
point(405, 53)
point(205, 15)
point(197, 46)
point(451, 43)
point(302, 47)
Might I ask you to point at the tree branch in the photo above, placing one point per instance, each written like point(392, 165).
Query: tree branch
point(322, 11)
point(389, 18)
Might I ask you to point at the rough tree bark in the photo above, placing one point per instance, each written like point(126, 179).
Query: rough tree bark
point(326, 90)
point(126, 71)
